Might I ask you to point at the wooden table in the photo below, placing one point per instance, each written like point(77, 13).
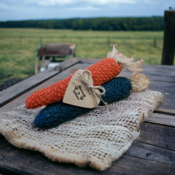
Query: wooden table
point(152, 153)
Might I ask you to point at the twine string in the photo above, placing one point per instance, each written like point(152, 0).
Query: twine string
point(91, 89)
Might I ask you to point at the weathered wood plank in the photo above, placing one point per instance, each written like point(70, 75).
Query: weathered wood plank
point(169, 96)
point(34, 163)
point(152, 76)
point(89, 60)
point(19, 160)
point(165, 87)
point(170, 70)
point(159, 67)
point(128, 165)
point(158, 135)
point(21, 100)
point(164, 110)
point(157, 118)
point(33, 81)
point(157, 70)
point(150, 152)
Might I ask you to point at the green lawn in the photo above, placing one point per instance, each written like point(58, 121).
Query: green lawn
point(18, 47)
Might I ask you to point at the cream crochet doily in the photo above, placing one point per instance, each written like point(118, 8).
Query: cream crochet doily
point(95, 139)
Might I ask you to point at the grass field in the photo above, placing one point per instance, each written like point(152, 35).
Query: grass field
point(18, 47)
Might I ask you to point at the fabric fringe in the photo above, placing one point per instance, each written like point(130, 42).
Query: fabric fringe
point(124, 61)
point(95, 139)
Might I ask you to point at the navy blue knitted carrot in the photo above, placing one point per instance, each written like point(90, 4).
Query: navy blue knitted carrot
point(57, 113)
point(54, 114)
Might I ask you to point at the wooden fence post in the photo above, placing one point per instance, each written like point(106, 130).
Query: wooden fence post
point(154, 43)
point(108, 41)
point(169, 38)
point(43, 61)
point(36, 65)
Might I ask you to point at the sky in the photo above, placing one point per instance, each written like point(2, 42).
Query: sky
point(58, 9)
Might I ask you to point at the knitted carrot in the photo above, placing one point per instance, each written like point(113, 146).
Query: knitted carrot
point(103, 71)
point(117, 89)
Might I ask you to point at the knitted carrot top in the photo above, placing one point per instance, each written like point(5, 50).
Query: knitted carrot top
point(103, 71)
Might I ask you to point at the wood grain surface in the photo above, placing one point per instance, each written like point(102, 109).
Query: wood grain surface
point(152, 153)
point(33, 81)
point(141, 158)
point(163, 119)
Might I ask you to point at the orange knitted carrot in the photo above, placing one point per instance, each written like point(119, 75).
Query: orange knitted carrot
point(103, 71)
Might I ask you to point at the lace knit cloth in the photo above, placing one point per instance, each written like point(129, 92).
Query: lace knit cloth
point(95, 139)
point(54, 114)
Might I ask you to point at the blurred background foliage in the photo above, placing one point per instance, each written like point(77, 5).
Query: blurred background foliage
point(124, 24)
point(18, 47)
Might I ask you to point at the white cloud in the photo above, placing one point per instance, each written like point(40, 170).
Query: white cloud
point(49, 9)
point(85, 8)
point(3, 6)
point(69, 2)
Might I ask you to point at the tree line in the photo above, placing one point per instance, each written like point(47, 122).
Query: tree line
point(123, 24)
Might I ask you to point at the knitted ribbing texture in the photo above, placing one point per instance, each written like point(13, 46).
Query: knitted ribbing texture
point(102, 72)
point(54, 114)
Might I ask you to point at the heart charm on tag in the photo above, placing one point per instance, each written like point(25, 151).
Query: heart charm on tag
point(77, 94)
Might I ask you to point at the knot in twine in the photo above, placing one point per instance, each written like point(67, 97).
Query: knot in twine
point(91, 88)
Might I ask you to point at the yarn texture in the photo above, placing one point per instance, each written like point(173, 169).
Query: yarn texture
point(57, 113)
point(102, 72)
point(95, 139)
